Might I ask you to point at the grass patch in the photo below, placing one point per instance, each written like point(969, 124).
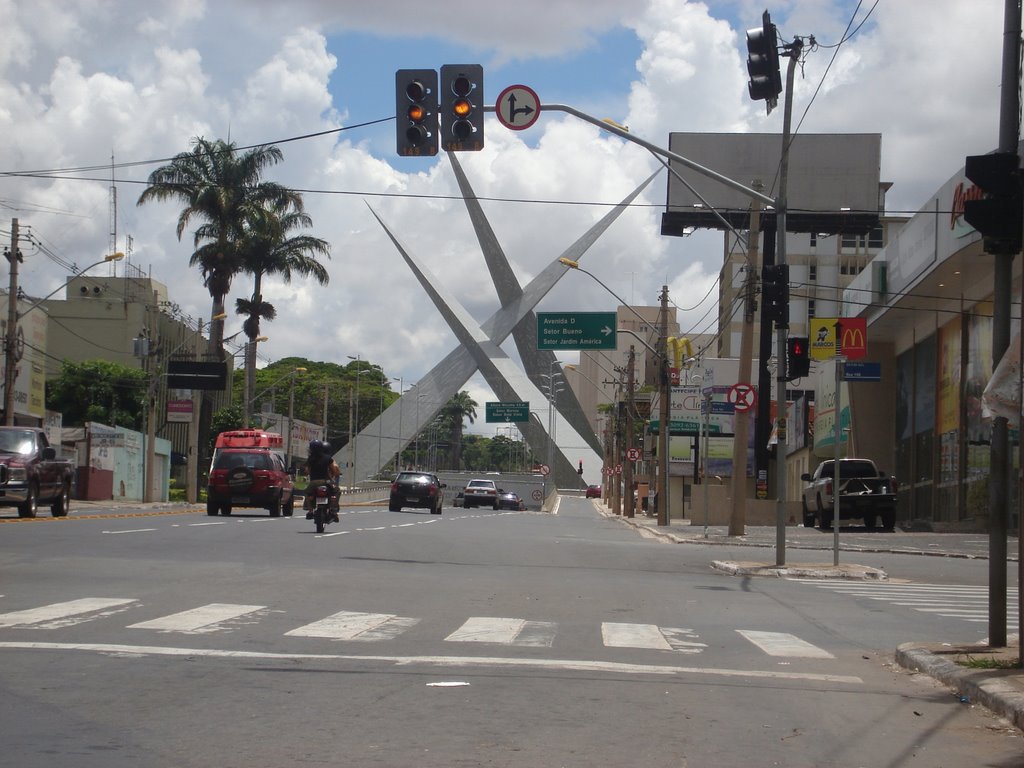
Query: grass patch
point(989, 663)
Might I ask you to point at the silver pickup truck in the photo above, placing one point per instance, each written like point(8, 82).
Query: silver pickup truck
point(30, 473)
point(865, 492)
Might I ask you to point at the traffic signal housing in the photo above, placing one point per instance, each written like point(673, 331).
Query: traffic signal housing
point(775, 293)
point(462, 107)
point(416, 112)
point(999, 213)
point(798, 357)
point(765, 83)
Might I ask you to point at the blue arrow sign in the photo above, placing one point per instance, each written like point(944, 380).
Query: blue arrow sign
point(857, 371)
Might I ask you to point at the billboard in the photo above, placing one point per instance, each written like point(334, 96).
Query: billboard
point(833, 181)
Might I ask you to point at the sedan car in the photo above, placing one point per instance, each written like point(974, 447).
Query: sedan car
point(417, 489)
point(593, 491)
point(510, 500)
point(480, 493)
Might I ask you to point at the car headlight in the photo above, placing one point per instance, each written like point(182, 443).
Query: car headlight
point(17, 475)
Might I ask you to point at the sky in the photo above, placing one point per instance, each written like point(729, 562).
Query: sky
point(96, 94)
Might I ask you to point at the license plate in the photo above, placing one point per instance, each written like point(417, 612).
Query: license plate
point(321, 502)
point(412, 499)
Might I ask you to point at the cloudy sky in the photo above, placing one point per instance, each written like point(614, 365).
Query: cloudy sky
point(88, 83)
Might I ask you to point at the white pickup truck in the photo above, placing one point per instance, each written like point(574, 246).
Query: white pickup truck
point(865, 492)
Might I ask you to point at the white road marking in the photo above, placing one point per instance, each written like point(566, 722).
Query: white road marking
point(633, 636)
point(133, 530)
point(206, 618)
point(61, 614)
point(349, 625)
point(200, 525)
point(784, 644)
point(442, 661)
point(489, 629)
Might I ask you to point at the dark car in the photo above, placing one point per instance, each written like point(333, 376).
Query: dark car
point(422, 490)
point(249, 477)
point(509, 500)
point(593, 491)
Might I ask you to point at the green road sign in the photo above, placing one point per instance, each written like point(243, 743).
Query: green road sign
point(575, 330)
point(507, 412)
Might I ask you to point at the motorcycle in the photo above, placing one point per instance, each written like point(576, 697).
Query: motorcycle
point(325, 505)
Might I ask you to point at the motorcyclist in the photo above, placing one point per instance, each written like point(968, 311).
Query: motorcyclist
point(321, 468)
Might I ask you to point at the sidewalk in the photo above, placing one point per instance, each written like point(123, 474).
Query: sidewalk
point(1000, 690)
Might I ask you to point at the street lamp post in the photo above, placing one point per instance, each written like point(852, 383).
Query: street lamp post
point(353, 432)
point(11, 352)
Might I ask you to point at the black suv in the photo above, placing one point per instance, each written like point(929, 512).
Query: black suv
point(417, 489)
point(249, 477)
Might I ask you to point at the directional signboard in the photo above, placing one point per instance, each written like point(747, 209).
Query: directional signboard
point(507, 412)
point(862, 372)
point(576, 330)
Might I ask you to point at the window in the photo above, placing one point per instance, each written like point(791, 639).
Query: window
point(875, 239)
point(810, 308)
point(812, 273)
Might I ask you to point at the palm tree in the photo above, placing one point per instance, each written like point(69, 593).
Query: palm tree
point(459, 408)
point(223, 189)
point(265, 250)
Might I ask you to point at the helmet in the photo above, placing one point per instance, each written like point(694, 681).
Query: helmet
point(315, 447)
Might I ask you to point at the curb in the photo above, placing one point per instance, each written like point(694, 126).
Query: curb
point(983, 687)
point(808, 571)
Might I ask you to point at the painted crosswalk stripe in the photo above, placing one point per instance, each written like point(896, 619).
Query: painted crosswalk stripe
point(206, 618)
point(62, 614)
point(488, 629)
point(351, 625)
point(624, 635)
point(784, 644)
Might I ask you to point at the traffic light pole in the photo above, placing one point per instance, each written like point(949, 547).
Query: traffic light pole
point(782, 329)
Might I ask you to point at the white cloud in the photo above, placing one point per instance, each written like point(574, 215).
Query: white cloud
point(139, 80)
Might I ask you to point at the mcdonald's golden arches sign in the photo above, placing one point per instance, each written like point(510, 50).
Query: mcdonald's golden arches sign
point(850, 332)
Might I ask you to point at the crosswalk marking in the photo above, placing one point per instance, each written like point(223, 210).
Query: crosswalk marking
point(61, 614)
point(350, 625)
point(623, 635)
point(784, 644)
point(206, 618)
point(487, 629)
point(953, 601)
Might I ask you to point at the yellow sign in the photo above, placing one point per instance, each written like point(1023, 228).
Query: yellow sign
point(822, 340)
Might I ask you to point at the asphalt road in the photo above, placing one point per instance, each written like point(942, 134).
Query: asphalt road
point(474, 638)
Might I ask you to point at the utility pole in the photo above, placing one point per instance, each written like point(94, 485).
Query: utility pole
point(999, 456)
point(11, 340)
point(741, 421)
point(627, 464)
point(151, 396)
point(665, 388)
point(192, 468)
point(782, 329)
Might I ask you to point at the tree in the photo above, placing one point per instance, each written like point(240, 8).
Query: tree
point(266, 249)
point(96, 390)
point(224, 190)
point(454, 414)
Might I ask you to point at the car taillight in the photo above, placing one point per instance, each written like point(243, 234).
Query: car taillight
point(394, 487)
point(828, 488)
point(432, 490)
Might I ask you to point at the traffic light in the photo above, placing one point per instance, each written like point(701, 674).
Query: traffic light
point(798, 357)
point(462, 107)
point(765, 82)
point(775, 293)
point(416, 112)
point(997, 215)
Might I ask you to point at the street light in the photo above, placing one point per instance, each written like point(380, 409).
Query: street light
point(664, 387)
point(12, 353)
point(353, 434)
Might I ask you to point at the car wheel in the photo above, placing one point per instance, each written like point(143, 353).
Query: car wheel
point(889, 520)
point(808, 514)
point(392, 507)
point(275, 507)
point(289, 506)
point(436, 510)
point(212, 508)
point(61, 505)
point(225, 508)
point(494, 506)
point(869, 520)
point(825, 523)
point(30, 506)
